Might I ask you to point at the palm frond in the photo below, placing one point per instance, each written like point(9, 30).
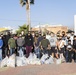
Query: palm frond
point(32, 1)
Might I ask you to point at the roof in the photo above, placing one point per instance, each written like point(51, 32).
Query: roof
point(3, 29)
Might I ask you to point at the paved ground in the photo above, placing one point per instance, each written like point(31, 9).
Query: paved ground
point(52, 69)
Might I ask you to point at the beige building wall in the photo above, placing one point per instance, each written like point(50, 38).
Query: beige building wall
point(53, 29)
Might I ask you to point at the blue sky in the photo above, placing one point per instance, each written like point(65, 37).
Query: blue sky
point(42, 12)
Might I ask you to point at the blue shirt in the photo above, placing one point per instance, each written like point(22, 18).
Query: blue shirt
point(1, 43)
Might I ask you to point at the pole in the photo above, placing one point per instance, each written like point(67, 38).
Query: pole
point(29, 19)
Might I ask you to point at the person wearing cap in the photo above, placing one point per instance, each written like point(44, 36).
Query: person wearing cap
point(69, 49)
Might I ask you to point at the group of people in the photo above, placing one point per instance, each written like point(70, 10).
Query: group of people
point(58, 46)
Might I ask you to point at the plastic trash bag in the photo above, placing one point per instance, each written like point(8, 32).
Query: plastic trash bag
point(4, 62)
point(43, 58)
point(37, 62)
point(11, 61)
point(58, 61)
point(33, 60)
point(50, 60)
point(21, 61)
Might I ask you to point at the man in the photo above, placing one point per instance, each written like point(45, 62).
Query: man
point(53, 41)
point(45, 45)
point(28, 43)
point(12, 45)
point(69, 52)
point(20, 44)
point(1, 44)
point(74, 48)
point(6, 37)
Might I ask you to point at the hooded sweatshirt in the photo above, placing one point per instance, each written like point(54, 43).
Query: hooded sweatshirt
point(1, 43)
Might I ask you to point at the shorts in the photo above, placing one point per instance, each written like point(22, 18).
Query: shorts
point(49, 52)
point(61, 50)
point(53, 50)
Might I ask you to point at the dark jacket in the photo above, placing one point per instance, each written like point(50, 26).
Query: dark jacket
point(5, 40)
point(28, 40)
point(74, 44)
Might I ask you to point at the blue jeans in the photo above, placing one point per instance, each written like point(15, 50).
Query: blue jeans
point(12, 50)
point(66, 55)
point(37, 52)
point(0, 54)
point(21, 53)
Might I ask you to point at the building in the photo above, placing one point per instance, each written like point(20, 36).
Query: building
point(51, 28)
point(4, 30)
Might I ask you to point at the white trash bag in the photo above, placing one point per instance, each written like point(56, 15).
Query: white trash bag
point(37, 62)
point(43, 58)
point(18, 61)
point(11, 61)
point(21, 61)
point(50, 60)
point(32, 58)
point(4, 62)
point(58, 61)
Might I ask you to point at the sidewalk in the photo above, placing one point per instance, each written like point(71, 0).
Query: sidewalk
point(52, 69)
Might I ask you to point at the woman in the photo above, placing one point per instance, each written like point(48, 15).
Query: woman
point(36, 46)
point(60, 46)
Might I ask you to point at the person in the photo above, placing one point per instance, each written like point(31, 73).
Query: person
point(28, 43)
point(60, 46)
point(5, 46)
point(45, 46)
point(12, 45)
point(74, 48)
point(53, 41)
point(63, 35)
point(15, 37)
point(48, 36)
point(1, 45)
point(72, 37)
point(40, 37)
point(36, 46)
point(20, 44)
point(69, 49)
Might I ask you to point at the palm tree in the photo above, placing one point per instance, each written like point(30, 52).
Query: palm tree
point(27, 3)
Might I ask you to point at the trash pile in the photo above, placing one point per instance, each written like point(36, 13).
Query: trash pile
point(14, 61)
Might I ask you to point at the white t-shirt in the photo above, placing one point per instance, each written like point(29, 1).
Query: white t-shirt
point(53, 41)
point(48, 37)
